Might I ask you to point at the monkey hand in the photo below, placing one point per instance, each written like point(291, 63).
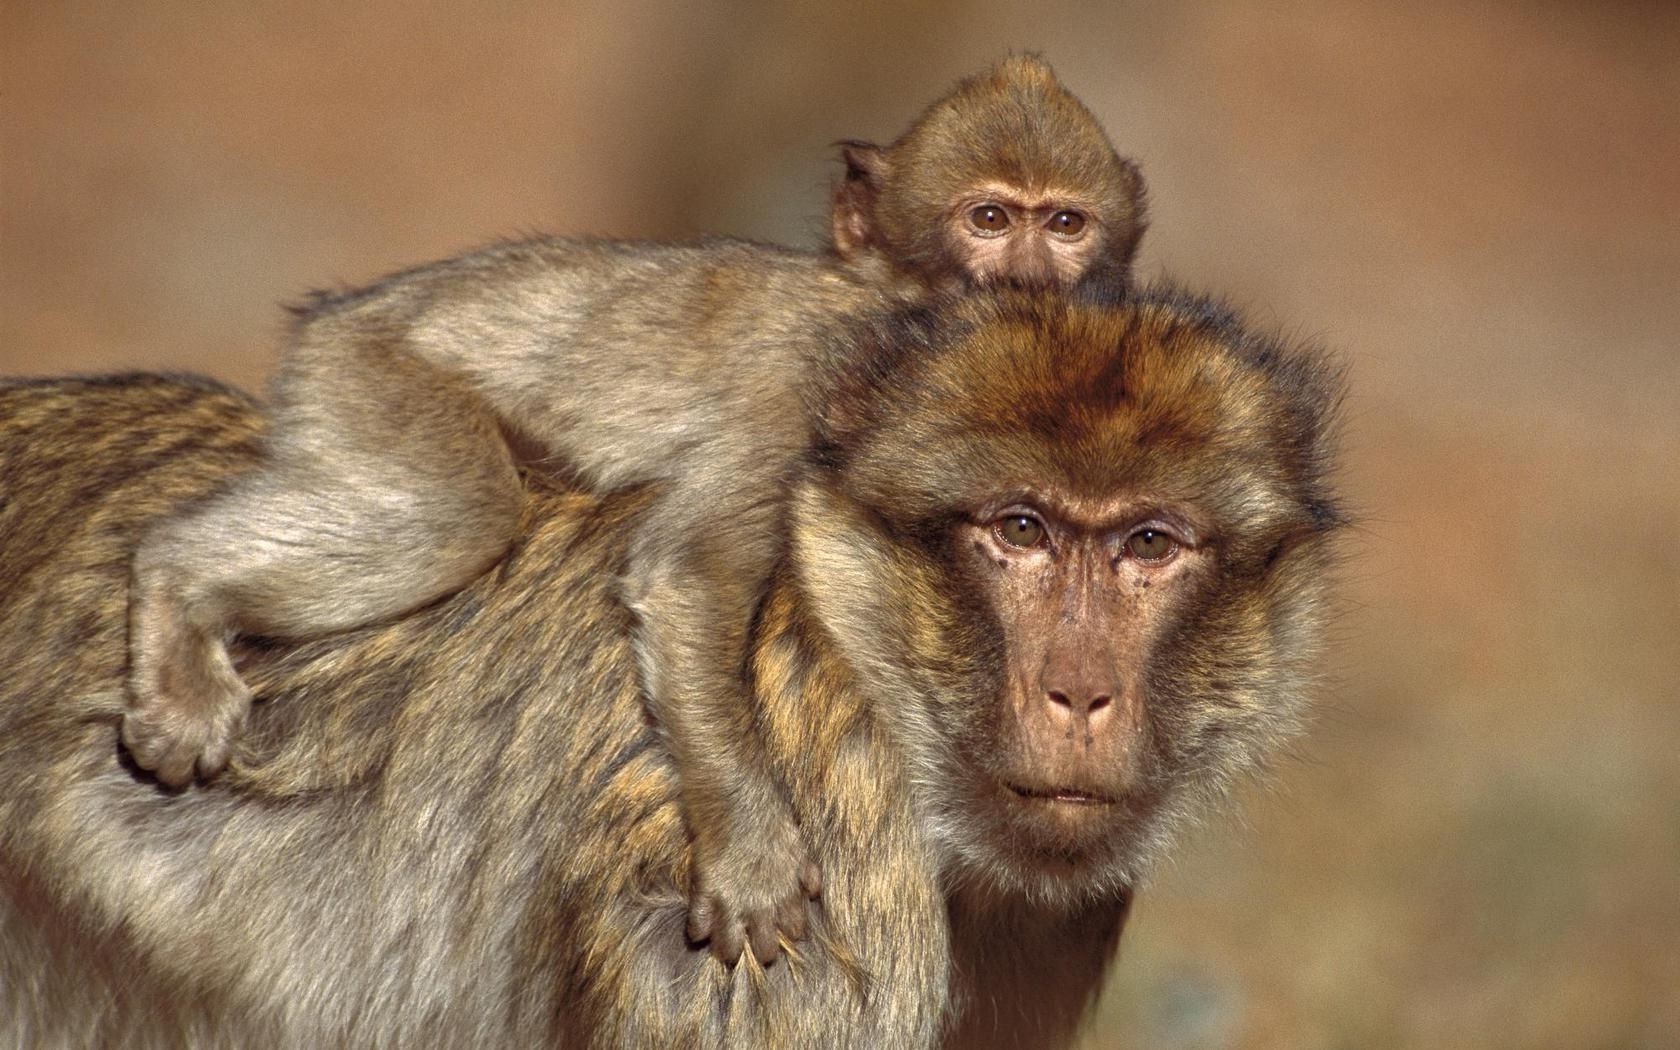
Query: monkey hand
point(186, 703)
point(752, 888)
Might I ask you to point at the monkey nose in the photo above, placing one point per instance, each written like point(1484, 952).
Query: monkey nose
point(1080, 702)
point(1075, 684)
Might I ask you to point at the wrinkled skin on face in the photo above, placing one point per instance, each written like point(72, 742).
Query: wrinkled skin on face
point(1002, 232)
point(1083, 595)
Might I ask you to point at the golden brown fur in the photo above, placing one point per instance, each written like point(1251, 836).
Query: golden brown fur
point(404, 414)
point(459, 829)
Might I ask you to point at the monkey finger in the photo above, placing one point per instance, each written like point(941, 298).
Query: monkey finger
point(143, 745)
point(810, 879)
point(791, 919)
point(702, 917)
point(728, 942)
point(175, 769)
point(215, 758)
point(766, 946)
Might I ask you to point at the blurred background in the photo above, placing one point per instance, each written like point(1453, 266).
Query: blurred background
point(1479, 843)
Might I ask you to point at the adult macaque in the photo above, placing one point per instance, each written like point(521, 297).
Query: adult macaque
point(405, 414)
point(1055, 575)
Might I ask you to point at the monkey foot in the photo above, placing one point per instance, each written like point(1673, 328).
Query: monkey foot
point(186, 705)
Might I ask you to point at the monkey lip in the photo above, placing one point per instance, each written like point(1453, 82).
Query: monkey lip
point(1070, 795)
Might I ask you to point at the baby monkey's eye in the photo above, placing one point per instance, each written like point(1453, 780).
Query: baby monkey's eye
point(1067, 223)
point(1020, 530)
point(989, 218)
point(1151, 545)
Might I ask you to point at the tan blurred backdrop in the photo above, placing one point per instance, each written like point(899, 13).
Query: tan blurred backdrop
point(1479, 844)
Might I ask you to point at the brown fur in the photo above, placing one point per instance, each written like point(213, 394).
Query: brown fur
point(459, 829)
point(405, 414)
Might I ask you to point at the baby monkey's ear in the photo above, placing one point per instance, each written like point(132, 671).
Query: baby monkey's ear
point(854, 227)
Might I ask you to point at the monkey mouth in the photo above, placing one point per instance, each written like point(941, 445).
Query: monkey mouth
point(1071, 795)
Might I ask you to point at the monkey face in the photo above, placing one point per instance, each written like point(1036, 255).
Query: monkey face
point(1094, 539)
point(1078, 596)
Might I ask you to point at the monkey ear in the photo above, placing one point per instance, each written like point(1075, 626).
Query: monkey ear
point(865, 161)
point(853, 222)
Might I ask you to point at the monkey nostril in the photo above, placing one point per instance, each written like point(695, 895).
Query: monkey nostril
point(1086, 707)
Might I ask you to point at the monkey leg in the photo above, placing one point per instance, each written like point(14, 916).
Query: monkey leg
point(697, 571)
point(343, 524)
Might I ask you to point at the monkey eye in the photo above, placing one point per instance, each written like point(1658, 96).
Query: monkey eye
point(1020, 530)
point(1152, 545)
point(1067, 223)
point(989, 218)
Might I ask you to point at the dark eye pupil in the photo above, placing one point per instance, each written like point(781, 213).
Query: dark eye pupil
point(1151, 544)
point(988, 217)
point(1022, 531)
point(1068, 222)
